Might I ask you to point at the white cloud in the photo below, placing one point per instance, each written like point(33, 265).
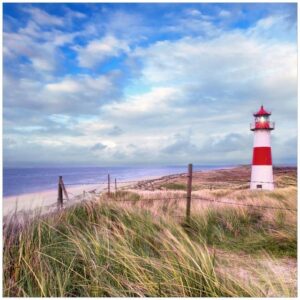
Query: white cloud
point(97, 51)
point(74, 14)
point(156, 101)
point(264, 29)
point(193, 12)
point(78, 94)
point(188, 26)
point(67, 86)
point(127, 26)
point(43, 18)
point(42, 54)
point(42, 64)
point(236, 55)
point(224, 13)
point(39, 46)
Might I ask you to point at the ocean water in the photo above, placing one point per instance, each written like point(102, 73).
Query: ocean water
point(17, 181)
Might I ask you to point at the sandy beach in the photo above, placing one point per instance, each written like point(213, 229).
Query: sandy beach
point(46, 201)
point(43, 200)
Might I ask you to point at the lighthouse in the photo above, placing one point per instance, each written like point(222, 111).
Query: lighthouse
point(262, 169)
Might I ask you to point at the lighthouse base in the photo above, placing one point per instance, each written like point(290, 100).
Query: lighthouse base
point(262, 178)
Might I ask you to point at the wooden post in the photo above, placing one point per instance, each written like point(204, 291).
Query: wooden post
point(60, 193)
point(64, 189)
point(189, 192)
point(108, 184)
point(115, 184)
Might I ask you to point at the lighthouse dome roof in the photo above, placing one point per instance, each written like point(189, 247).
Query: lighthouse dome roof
point(262, 112)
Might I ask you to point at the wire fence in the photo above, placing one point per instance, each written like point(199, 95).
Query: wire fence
point(207, 200)
point(224, 180)
point(188, 197)
point(150, 181)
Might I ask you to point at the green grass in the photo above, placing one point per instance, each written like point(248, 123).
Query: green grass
point(126, 195)
point(246, 230)
point(178, 186)
point(105, 250)
point(218, 188)
point(174, 186)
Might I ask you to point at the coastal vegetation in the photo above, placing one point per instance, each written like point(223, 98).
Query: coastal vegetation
point(129, 244)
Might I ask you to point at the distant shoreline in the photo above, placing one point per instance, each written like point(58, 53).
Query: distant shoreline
point(47, 199)
point(76, 187)
point(22, 181)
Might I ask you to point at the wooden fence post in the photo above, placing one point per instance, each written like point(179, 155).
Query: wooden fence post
point(64, 189)
point(115, 184)
point(189, 192)
point(108, 184)
point(60, 193)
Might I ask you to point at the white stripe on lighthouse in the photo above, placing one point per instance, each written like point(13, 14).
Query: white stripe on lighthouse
point(262, 177)
point(262, 138)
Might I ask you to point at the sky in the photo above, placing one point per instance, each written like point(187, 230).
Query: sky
point(146, 84)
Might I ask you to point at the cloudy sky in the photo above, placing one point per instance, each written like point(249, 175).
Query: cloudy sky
point(127, 84)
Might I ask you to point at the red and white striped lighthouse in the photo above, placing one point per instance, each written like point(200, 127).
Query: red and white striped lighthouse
point(262, 169)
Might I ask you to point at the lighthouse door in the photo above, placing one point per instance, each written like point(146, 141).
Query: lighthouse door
point(259, 186)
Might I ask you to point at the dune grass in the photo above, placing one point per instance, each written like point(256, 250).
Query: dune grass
point(125, 195)
point(174, 186)
point(113, 248)
point(237, 229)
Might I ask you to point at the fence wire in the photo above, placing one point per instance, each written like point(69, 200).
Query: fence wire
point(207, 200)
point(243, 204)
point(93, 193)
point(147, 181)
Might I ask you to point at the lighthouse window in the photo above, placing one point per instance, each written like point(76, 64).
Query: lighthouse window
point(259, 186)
point(262, 119)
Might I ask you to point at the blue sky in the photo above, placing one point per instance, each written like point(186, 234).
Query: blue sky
point(129, 84)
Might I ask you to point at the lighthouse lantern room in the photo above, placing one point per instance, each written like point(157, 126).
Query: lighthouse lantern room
point(262, 170)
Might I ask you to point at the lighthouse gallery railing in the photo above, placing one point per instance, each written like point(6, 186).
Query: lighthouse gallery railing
point(262, 125)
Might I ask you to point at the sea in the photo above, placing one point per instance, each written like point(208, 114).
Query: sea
point(17, 181)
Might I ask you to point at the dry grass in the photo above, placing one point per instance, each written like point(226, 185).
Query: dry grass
point(133, 244)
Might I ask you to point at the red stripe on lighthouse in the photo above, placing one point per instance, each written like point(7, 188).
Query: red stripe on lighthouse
point(262, 156)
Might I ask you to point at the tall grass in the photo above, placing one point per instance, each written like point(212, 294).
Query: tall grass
point(114, 249)
point(239, 229)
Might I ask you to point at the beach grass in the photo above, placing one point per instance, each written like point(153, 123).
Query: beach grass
point(238, 230)
point(107, 248)
point(125, 195)
point(174, 186)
